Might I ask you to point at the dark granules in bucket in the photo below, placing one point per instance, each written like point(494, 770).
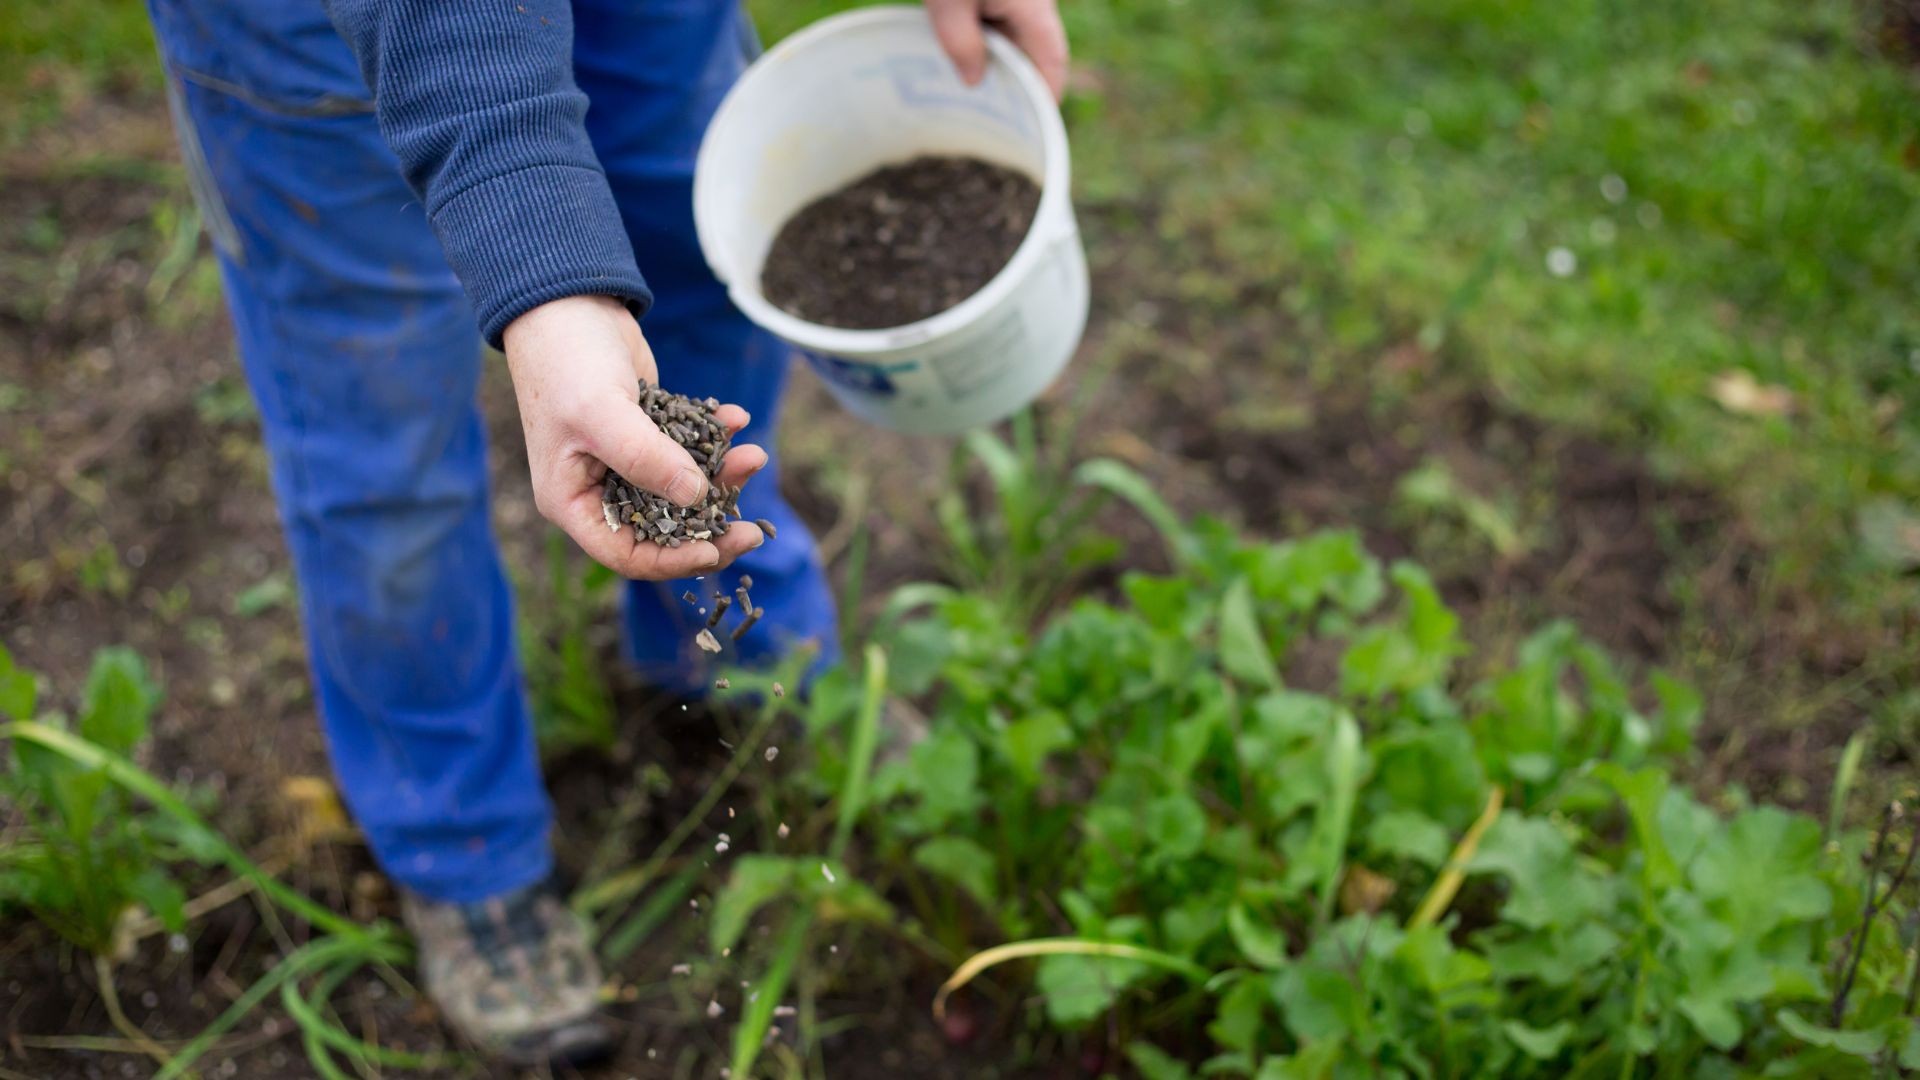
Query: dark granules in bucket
point(899, 244)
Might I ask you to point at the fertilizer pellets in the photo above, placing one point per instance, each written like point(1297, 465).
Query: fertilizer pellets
point(691, 423)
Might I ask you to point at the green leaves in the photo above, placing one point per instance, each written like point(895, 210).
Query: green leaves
point(1176, 826)
point(1541, 1044)
point(1415, 651)
point(1547, 886)
point(1078, 989)
point(1257, 939)
point(1029, 741)
point(1155, 1063)
point(1146, 767)
point(756, 881)
point(961, 862)
point(1243, 651)
point(17, 692)
point(1762, 871)
point(119, 698)
point(943, 776)
point(1317, 1003)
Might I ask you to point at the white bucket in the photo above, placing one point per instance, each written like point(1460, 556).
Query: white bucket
point(844, 97)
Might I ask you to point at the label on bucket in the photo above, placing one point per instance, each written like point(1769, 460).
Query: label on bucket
point(858, 376)
point(980, 362)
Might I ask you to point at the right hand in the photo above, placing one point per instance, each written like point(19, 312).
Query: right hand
point(577, 364)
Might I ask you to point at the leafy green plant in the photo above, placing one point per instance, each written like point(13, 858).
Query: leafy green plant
point(1249, 813)
point(1030, 537)
point(80, 858)
point(95, 836)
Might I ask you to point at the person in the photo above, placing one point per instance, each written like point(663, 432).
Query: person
point(379, 177)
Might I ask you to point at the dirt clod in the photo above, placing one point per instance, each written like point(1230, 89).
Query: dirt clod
point(900, 244)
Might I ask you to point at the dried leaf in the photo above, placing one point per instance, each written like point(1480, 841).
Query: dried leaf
point(318, 815)
point(1364, 890)
point(1739, 392)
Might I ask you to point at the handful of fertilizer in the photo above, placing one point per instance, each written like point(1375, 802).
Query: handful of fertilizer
point(691, 423)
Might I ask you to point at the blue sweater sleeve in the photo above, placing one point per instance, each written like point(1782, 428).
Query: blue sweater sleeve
point(477, 99)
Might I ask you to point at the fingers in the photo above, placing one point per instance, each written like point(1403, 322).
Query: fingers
point(624, 554)
point(734, 417)
point(1035, 27)
point(957, 24)
point(618, 550)
point(618, 432)
point(741, 463)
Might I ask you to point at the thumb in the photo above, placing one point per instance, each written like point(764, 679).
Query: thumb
point(619, 433)
point(957, 24)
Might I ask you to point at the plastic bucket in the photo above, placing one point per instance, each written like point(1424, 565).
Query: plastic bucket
point(842, 98)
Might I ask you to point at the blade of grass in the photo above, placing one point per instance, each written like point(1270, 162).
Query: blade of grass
point(664, 902)
point(914, 594)
point(1343, 768)
point(306, 1012)
point(866, 739)
point(1020, 950)
point(624, 886)
point(1434, 904)
point(1013, 489)
point(751, 1034)
point(320, 1059)
point(315, 954)
point(1843, 781)
point(1116, 479)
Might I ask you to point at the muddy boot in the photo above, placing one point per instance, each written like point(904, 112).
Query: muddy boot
point(514, 975)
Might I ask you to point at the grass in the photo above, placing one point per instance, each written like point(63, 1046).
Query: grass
point(1728, 181)
point(55, 56)
point(1620, 214)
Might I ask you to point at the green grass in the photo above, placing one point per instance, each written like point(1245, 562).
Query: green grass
point(1405, 170)
point(54, 54)
point(1738, 186)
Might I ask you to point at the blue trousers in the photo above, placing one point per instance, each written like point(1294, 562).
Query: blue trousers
point(362, 353)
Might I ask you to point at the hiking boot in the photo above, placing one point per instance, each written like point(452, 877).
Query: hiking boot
point(514, 975)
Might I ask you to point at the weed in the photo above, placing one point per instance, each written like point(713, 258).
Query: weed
point(1393, 871)
point(83, 859)
point(86, 853)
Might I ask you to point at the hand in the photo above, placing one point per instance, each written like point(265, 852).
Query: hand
point(577, 364)
point(1034, 25)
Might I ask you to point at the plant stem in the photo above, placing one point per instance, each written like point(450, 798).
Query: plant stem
point(110, 996)
point(624, 886)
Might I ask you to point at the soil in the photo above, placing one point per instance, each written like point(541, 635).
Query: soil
point(134, 508)
point(901, 244)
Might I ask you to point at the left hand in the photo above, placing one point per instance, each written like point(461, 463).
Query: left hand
point(1034, 25)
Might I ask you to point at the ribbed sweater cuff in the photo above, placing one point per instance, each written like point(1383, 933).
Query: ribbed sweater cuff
point(538, 234)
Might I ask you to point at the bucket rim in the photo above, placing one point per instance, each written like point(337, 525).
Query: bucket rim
point(1055, 197)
